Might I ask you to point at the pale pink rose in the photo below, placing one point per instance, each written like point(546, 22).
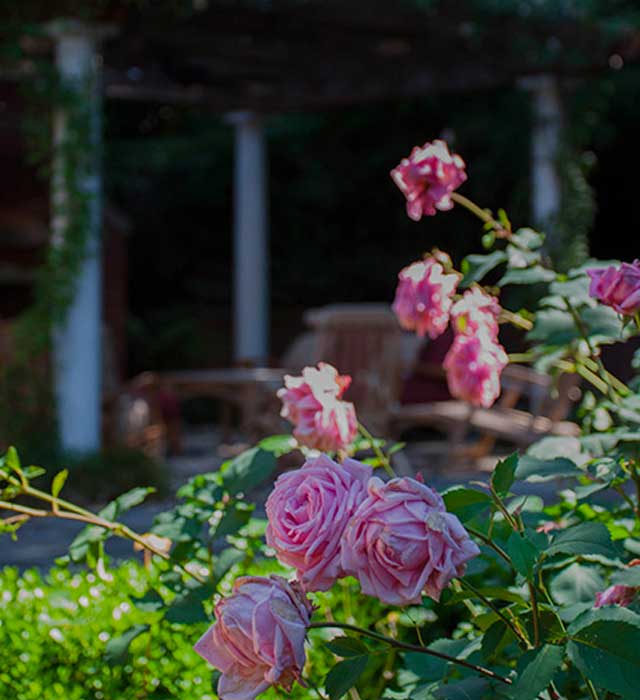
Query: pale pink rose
point(616, 595)
point(308, 511)
point(258, 637)
point(313, 403)
point(476, 310)
point(401, 542)
point(428, 177)
point(474, 364)
point(423, 297)
point(618, 287)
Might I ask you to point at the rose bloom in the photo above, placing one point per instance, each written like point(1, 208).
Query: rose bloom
point(618, 287)
point(616, 595)
point(474, 364)
point(428, 177)
point(423, 297)
point(308, 511)
point(313, 403)
point(476, 310)
point(401, 542)
point(258, 637)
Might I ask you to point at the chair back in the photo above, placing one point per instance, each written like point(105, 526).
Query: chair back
point(364, 341)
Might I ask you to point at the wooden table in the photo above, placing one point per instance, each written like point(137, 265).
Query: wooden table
point(251, 389)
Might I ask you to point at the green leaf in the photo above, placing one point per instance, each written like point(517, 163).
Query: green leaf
point(536, 669)
point(234, 517)
point(493, 637)
point(248, 470)
point(529, 275)
point(586, 538)
point(124, 502)
point(604, 645)
point(58, 482)
point(12, 460)
point(529, 238)
point(344, 675)
point(468, 689)
point(576, 584)
point(32, 472)
point(475, 267)
point(187, 608)
point(279, 444)
point(536, 469)
point(225, 560)
point(523, 553)
point(627, 577)
point(151, 601)
point(117, 648)
point(504, 474)
point(465, 503)
point(347, 647)
point(431, 668)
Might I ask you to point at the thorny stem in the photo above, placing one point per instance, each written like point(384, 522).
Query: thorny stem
point(410, 647)
point(517, 632)
point(68, 511)
point(382, 458)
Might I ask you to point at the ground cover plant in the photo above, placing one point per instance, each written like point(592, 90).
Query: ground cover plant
point(366, 584)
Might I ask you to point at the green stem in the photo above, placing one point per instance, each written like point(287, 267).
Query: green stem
point(518, 634)
point(482, 214)
point(613, 395)
point(410, 647)
point(489, 542)
point(382, 458)
point(68, 511)
point(591, 688)
point(535, 614)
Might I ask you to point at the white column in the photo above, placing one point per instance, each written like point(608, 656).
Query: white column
point(250, 242)
point(77, 339)
point(548, 120)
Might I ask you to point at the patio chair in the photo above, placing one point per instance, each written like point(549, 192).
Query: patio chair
point(531, 406)
point(363, 340)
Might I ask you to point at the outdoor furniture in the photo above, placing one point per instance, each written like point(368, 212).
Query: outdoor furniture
point(548, 406)
point(250, 389)
point(364, 341)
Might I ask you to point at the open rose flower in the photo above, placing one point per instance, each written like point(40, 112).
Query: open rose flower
point(401, 542)
point(428, 177)
point(308, 511)
point(474, 364)
point(423, 297)
point(616, 595)
point(476, 311)
point(258, 637)
point(313, 403)
point(618, 287)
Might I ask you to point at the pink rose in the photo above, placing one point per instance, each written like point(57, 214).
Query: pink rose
point(475, 311)
point(428, 177)
point(258, 637)
point(474, 364)
point(308, 511)
point(616, 595)
point(401, 542)
point(313, 403)
point(618, 287)
point(423, 297)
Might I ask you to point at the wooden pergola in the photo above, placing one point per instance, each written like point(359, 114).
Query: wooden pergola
point(245, 61)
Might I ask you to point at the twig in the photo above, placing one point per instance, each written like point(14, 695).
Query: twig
point(382, 458)
point(411, 647)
